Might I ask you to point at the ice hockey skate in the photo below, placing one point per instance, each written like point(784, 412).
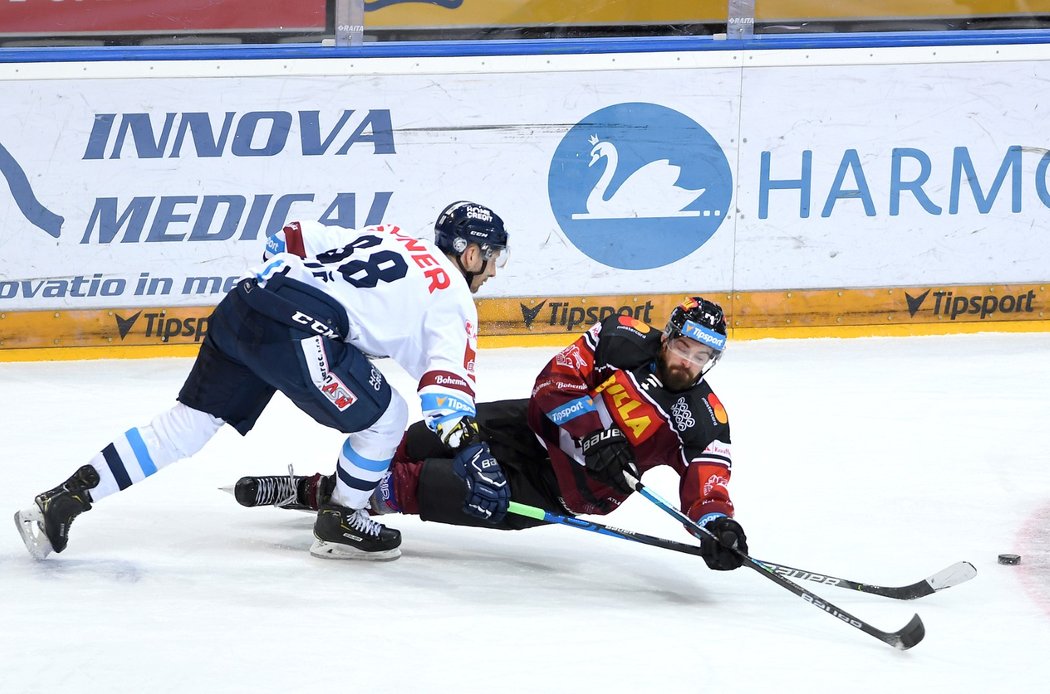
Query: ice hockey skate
point(291, 491)
point(45, 526)
point(345, 533)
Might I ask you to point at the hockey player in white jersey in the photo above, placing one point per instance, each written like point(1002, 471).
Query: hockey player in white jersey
point(306, 322)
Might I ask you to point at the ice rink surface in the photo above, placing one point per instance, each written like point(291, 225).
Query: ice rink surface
point(880, 460)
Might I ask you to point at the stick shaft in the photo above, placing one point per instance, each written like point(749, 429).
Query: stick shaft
point(946, 578)
point(902, 639)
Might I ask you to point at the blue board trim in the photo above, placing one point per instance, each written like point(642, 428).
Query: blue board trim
point(445, 49)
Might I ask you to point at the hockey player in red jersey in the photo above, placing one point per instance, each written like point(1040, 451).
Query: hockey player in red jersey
point(306, 322)
point(623, 397)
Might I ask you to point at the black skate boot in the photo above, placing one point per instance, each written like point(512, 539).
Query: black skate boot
point(45, 526)
point(289, 491)
point(343, 533)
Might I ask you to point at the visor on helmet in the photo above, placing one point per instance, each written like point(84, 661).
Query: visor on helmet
point(497, 254)
point(700, 346)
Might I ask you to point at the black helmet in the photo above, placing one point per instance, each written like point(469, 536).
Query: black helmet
point(700, 320)
point(463, 223)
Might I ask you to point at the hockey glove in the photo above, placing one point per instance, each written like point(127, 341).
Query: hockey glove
point(719, 554)
point(607, 456)
point(458, 433)
point(488, 493)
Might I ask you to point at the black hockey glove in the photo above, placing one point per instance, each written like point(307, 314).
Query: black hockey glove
point(717, 553)
point(488, 492)
point(607, 456)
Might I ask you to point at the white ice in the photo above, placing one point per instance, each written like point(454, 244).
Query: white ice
point(880, 460)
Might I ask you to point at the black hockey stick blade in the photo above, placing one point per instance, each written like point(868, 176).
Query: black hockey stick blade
point(908, 636)
point(957, 573)
point(902, 639)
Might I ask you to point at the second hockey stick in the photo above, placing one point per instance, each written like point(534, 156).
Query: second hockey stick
point(945, 578)
point(902, 639)
point(957, 573)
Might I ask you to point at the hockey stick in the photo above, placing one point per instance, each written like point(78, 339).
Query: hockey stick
point(902, 639)
point(945, 578)
point(957, 573)
point(611, 531)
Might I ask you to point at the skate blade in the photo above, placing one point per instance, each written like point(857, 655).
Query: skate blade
point(28, 523)
point(334, 550)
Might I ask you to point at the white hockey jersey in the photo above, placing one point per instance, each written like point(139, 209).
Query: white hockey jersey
point(403, 299)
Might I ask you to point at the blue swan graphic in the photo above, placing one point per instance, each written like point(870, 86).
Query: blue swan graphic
point(649, 192)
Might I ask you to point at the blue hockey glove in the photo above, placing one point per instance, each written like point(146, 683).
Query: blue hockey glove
point(488, 492)
point(719, 554)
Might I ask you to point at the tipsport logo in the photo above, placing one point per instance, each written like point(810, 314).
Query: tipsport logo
point(947, 303)
point(638, 186)
point(163, 327)
point(570, 316)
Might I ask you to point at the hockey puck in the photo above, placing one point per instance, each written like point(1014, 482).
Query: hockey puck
point(1010, 559)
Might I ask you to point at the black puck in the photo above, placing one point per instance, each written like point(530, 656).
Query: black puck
point(1010, 559)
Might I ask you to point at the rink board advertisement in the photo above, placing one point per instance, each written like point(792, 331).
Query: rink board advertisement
point(87, 17)
point(903, 310)
point(514, 13)
point(655, 174)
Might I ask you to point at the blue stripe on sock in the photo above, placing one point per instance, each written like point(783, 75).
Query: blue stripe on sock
point(141, 452)
point(116, 466)
point(362, 462)
point(353, 482)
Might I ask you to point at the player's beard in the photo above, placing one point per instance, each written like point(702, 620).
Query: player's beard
point(674, 377)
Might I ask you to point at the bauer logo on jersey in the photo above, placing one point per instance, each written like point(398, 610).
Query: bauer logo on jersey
point(639, 186)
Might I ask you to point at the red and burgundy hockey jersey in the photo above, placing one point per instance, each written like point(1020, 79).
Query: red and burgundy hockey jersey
point(608, 378)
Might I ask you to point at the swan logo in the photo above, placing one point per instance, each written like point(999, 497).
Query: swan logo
point(639, 186)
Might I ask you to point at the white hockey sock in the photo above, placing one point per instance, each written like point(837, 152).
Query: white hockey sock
point(141, 451)
point(366, 456)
